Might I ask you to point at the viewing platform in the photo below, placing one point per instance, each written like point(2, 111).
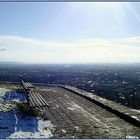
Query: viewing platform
point(80, 114)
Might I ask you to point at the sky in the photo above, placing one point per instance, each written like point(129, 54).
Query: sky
point(70, 32)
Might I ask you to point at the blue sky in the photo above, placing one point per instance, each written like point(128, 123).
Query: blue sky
point(69, 32)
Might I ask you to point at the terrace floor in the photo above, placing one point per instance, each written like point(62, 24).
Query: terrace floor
point(77, 117)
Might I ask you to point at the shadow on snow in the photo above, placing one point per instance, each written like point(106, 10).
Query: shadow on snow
point(13, 121)
point(12, 95)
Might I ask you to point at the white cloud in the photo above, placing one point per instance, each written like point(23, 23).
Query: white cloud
point(87, 50)
point(2, 49)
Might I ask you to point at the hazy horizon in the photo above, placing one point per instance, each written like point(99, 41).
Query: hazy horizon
point(70, 32)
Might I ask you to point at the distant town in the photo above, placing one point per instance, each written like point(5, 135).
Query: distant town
point(117, 82)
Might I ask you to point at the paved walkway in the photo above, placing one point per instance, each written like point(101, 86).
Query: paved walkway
point(77, 117)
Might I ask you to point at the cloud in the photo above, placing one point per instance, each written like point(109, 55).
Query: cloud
point(3, 49)
point(83, 51)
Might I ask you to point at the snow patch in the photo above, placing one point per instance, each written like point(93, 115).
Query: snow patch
point(6, 106)
point(63, 131)
point(3, 91)
point(14, 96)
point(45, 131)
point(135, 117)
point(136, 110)
point(70, 108)
point(132, 137)
point(14, 125)
point(80, 109)
point(77, 129)
point(6, 96)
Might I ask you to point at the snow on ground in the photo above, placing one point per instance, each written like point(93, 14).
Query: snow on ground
point(77, 108)
point(136, 110)
point(5, 106)
point(70, 108)
point(45, 129)
point(14, 125)
point(132, 137)
point(14, 96)
point(3, 92)
point(6, 96)
point(135, 117)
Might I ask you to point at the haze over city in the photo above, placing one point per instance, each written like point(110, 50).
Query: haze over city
point(70, 32)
